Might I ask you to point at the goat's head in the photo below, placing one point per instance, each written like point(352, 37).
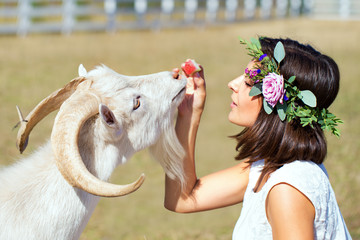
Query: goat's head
point(137, 111)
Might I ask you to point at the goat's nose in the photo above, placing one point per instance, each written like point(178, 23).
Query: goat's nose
point(175, 73)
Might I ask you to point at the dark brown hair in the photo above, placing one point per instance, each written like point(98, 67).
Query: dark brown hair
point(280, 142)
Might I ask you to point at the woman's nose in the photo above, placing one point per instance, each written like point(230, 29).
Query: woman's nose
point(235, 84)
point(231, 85)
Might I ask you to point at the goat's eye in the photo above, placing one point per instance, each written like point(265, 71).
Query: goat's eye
point(136, 103)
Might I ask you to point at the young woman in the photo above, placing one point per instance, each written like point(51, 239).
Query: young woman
point(281, 99)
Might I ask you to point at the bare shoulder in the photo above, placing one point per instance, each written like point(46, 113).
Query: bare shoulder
point(290, 213)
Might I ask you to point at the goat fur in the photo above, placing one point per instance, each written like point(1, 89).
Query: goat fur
point(35, 200)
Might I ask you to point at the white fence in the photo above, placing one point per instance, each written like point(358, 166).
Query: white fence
point(27, 16)
point(344, 9)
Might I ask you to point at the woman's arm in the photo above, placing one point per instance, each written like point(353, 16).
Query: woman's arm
point(220, 189)
point(216, 190)
point(290, 213)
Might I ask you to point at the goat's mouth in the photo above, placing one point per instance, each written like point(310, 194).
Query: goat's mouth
point(179, 93)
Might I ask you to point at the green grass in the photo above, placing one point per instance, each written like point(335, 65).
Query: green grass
point(33, 67)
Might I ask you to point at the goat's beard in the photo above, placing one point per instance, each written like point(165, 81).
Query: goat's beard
point(170, 154)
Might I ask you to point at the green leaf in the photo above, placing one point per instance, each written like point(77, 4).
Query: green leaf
point(313, 118)
point(267, 107)
point(291, 79)
point(304, 122)
point(272, 65)
point(281, 110)
point(256, 90)
point(243, 41)
point(308, 98)
point(336, 132)
point(279, 52)
point(256, 42)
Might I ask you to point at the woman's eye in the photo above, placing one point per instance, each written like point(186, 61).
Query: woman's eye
point(248, 84)
point(136, 104)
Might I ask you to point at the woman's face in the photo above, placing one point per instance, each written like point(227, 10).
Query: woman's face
point(244, 108)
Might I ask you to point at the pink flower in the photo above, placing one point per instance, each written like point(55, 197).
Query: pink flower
point(273, 88)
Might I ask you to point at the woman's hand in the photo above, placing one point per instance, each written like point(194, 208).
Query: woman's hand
point(194, 100)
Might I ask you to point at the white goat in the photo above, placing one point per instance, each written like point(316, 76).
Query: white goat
point(88, 141)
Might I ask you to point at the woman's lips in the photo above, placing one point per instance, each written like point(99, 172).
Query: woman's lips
point(233, 105)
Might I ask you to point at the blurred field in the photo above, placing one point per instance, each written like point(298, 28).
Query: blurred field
point(33, 67)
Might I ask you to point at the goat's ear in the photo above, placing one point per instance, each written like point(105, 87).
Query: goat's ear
point(110, 121)
point(82, 71)
point(107, 116)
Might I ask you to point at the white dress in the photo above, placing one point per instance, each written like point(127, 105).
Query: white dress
point(307, 177)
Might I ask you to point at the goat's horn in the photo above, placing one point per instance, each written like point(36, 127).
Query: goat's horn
point(46, 106)
point(64, 138)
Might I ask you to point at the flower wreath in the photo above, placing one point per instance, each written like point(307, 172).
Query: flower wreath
point(281, 94)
